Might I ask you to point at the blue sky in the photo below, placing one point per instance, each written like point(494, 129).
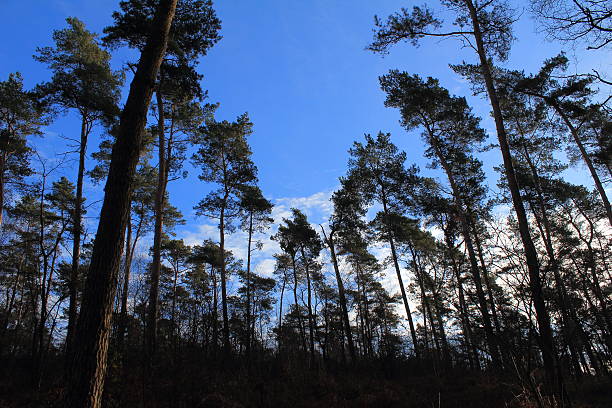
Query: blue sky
point(301, 71)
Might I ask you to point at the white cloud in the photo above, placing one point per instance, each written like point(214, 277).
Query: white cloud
point(265, 268)
point(317, 208)
point(202, 232)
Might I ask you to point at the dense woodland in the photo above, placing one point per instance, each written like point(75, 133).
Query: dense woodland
point(504, 297)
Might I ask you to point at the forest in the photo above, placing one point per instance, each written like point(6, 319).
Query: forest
point(423, 286)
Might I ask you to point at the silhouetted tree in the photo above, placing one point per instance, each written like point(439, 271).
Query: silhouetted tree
point(224, 158)
point(88, 368)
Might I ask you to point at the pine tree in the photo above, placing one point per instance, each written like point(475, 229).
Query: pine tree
point(88, 368)
point(82, 81)
point(569, 99)
point(377, 167)
point(224, 158)
point(20, 117)
point(451, 132)
point(302, 243)
point(194, 31)
point(256, 210)
point(489, 24)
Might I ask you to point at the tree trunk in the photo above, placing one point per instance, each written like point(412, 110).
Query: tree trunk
point(248, 288)
point(401, 285)
point(440, 321)
point(547, 346)
point(427, 315)
point(215, 339)
point(9, 308)
point(42, 292)
point(88, 368)
point(553, 263)
point(472, 353)
point(487, 281)
point(404, 298)
point(126, 288)
point(295, 299)
point(463, 219)
point(280, 313)
point(173, 315)
point(2, 181)
point(310, 316)
point(341, 294)
point(364, 313)
point(226, 337)
point(76, 238)
point(158, 230)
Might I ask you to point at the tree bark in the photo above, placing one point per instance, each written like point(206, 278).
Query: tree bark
point(86, 376)
point(76, 237)
point(547, 346)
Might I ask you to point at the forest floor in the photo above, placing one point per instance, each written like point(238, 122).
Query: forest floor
point(198, 383)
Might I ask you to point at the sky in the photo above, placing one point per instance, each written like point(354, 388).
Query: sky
point(301, 71)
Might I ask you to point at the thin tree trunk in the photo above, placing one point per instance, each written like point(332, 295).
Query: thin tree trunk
point(215, 339)
point(360, 322)
point(158, 230)
point(364, 312)
point(472, 353)
point(2, 181)
point(554, 265)
point(404, 298)
point(488, 285)
point(248, 288)
point(280, 312)
point(440, 321)
point(173, 315)
point(9, 309)
point(125, 291)
point(437, 302)
point(597, 314)
point(226, 337)
point(295, 299)
point(86, 376)
point(310, 316)
point(463, 218)
point(427, 313)
point(37, 350)
point(76, 238)
point(341, 294)
point(45, 292)
point(401, 285)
